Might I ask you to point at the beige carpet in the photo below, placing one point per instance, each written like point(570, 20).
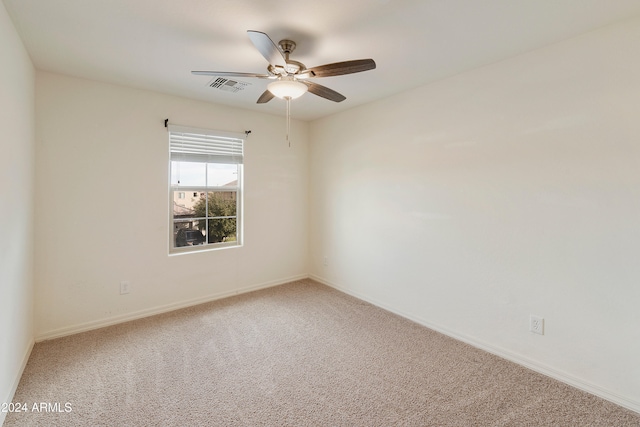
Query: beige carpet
point(300, 354)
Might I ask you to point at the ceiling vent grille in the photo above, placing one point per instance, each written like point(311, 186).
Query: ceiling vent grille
point(227, 85)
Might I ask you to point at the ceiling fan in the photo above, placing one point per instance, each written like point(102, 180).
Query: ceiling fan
point(291, 77)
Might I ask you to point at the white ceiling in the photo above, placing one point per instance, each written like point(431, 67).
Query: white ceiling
point(154, 44)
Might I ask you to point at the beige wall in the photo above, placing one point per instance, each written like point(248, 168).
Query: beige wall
point(16, 206)
point(510, 190)
point(105, 148)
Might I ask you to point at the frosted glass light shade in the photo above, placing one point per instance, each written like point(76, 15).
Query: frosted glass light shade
point(287, 89)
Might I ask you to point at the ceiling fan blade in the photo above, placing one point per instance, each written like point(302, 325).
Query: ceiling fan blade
point(230, 74)
point(267, 47)
point(265, 97)
point(340, 68)
point(324, 92)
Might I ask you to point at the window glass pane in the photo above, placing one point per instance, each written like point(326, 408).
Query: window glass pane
point(185, 235)
point(222, 230)
point(184, 204)
point(221, 175)
point(188, 174)
point(221, 203)
point(194, 205)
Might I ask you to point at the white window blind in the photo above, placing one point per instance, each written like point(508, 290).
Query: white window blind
point(202, 145)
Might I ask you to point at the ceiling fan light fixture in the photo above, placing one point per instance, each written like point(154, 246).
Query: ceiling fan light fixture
point(287, 89)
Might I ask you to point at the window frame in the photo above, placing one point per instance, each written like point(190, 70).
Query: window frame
point(217, 155)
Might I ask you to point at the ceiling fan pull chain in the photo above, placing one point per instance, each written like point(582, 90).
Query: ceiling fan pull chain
point(288, 119)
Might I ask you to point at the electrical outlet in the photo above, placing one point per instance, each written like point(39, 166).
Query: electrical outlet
point(325, 261)
point(536, 324)
point(125, 287)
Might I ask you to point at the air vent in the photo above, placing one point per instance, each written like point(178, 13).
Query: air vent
point(228, 85)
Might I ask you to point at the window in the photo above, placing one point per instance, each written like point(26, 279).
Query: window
point(205, 189)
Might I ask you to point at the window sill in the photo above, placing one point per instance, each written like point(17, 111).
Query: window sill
point(198, 249)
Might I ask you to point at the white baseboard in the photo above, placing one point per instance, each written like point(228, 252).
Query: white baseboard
point(83, 327)
point(505, 354)
point(16, 380)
